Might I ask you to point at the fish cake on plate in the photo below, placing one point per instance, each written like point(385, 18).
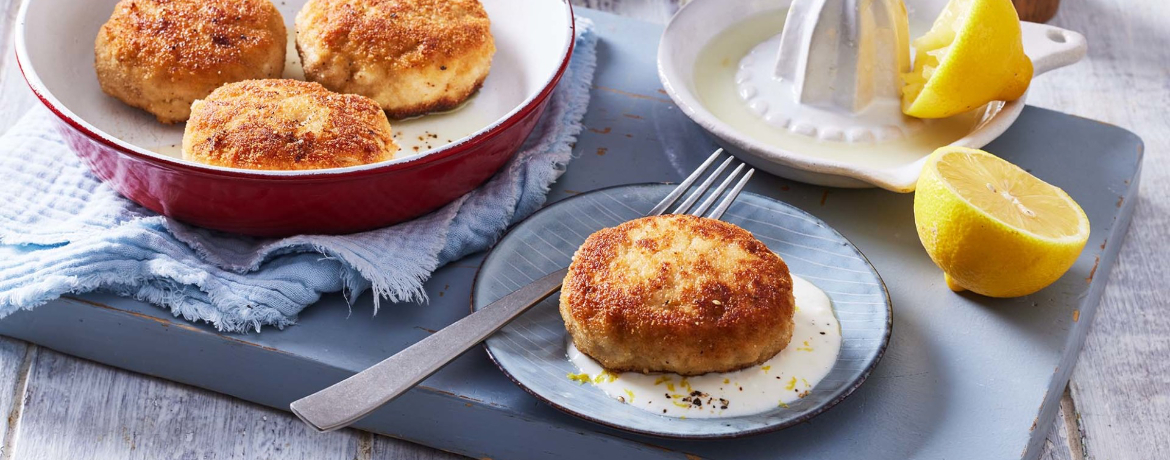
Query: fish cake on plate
point(162, 55)
point(412, 56)
point(677, 293)
point(288, 125)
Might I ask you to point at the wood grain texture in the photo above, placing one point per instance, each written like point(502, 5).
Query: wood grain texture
point(1121, 385)
point(1058, 445)
point(15, 356)
point(79, 409)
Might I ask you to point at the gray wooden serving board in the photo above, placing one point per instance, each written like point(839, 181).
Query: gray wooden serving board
point(965, 377)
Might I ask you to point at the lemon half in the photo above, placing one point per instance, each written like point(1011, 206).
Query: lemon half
point(972, 55)
point(993, 228)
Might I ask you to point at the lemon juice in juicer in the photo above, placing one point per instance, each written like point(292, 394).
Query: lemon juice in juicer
point(840, 78)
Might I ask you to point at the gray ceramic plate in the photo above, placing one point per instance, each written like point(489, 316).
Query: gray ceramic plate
point(531, 350)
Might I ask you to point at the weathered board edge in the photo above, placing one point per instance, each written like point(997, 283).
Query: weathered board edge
point(1098, 279)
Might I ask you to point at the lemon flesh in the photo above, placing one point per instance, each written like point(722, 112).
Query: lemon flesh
point(972, 55)
point(993, 228)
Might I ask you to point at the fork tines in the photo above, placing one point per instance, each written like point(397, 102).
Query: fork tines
point(686, 206)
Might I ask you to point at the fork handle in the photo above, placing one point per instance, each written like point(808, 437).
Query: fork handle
point(351, 399)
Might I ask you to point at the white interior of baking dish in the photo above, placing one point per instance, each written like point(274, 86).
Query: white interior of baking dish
point(55, 45)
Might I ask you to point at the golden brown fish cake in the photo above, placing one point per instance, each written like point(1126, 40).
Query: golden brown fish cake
point(412, 56)
point(162, 55)
point(286, 124)
point(677, 293)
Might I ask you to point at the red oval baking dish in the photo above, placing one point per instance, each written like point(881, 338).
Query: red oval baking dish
point(129, 150)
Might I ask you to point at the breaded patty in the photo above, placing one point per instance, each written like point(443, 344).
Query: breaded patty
point(677, 293)
point(162, 55)
point(286, 124)
point(412, 56)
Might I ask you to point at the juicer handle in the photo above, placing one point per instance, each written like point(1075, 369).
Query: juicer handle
point(1051, 47)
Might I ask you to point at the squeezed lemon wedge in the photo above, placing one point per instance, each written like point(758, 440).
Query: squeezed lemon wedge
point(993, 228)
point(972, 55)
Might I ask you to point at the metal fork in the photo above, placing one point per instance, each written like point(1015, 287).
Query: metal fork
point(353, 398)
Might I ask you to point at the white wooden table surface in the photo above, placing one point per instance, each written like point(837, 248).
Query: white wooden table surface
point(1117, 406)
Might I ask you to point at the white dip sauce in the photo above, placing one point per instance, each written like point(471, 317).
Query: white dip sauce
point(787, 377)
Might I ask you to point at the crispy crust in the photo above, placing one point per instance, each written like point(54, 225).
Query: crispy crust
point(677, 293)
point(286, 124)
point(412, 56)
point(162, 55)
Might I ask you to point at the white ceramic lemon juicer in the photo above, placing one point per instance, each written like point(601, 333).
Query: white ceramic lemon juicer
point(834, 73)
point(832, 76)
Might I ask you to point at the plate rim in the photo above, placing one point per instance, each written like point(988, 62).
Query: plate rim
point(818, 410)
